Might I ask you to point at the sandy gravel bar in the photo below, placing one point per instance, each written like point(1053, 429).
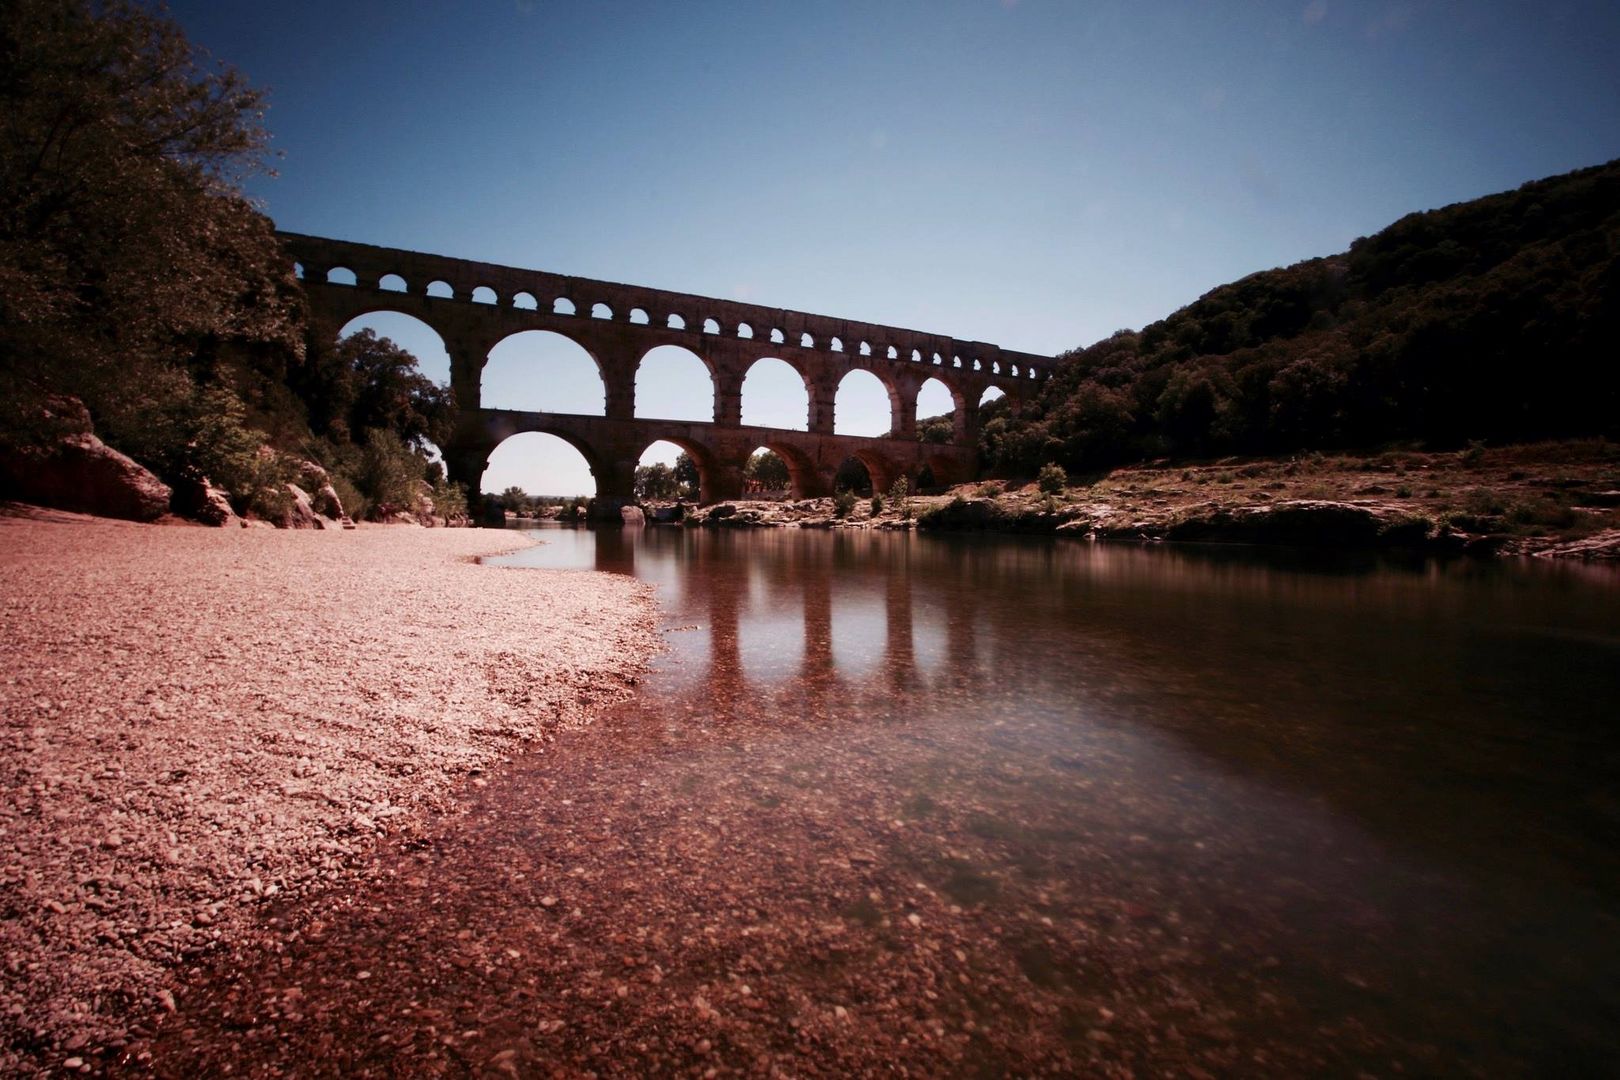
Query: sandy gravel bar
point(193, 721)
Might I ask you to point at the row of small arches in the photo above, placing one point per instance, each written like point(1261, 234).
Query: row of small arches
point(547, 371)
point(562, 305)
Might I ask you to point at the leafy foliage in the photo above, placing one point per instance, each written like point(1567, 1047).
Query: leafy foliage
point(366, 382)
point(937, 430)
point(1496, 320)
point(852, 476)
point(766, 471)
point(656, 481)
point(131, 268)
point(900, 496)
point(688, 483)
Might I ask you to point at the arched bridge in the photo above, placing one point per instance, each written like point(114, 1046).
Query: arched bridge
point(473, 306)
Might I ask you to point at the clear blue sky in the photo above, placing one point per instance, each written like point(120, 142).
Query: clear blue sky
point(1034, 173)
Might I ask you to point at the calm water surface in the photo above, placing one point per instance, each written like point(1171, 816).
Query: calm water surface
point(1208, 805)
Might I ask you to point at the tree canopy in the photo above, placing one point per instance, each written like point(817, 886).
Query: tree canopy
point(126, 248)
point(364, 381)
point(767, 471)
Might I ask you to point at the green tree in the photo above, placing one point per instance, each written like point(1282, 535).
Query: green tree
point(656, 481)
point(937, 430)
point(900, 496)
point(364, 382)
point(514, 499)
point(1052, 479)
point(391, 473)
point(688, 482)
point(128, 255)
point(768, 471)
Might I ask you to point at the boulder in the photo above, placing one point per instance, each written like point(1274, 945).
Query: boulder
point(311, 476)
point(79, 472)
point(632, 515)
point(301, 513)
point(1604, 547)
point(199, 500)
point(327, 503)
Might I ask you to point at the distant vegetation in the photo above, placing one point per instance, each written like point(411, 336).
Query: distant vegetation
point(1495, 320)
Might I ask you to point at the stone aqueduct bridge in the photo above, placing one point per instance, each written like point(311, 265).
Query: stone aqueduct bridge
point(473, 306)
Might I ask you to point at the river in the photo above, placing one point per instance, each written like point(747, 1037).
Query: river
point(1026, 804)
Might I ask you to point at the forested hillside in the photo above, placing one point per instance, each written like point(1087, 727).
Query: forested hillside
point(1495, 320)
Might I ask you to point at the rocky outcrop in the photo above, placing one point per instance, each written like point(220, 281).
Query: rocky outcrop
point(323, 496)
point(77, 471)
point(300, 512)
point(1307, 523)
point(984, 515)
point(1603, 547)
point(199, 500)
point(327, 503)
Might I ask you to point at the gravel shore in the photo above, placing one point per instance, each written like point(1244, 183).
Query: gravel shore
point(193, 721)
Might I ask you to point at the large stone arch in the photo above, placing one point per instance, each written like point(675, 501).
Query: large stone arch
point(806, 479)
point(751, 365)
point(946, 469)
point(714, 480)
point(371, 311)
point(643, 408)
point(542, 336)
point(879, 468)
point(851, 383)
point(498, 434)
point(960, 424)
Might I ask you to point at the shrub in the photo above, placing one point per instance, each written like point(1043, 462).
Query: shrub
point(877, 505)
point(1052, 479)
point(1543, 512)
point(843, 503)
point(389, 472)
point(449, 499)
point(898, 496)
point(1482, 503)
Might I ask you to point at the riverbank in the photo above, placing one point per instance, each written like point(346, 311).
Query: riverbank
point(1553, 499)
point(195, 721)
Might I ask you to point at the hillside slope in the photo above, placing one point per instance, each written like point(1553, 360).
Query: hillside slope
point(1495, 320)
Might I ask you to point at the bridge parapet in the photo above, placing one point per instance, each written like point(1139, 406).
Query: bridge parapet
point(655, 308)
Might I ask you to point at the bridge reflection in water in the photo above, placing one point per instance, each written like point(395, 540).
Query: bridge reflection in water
point(1309, 813)
point(820, 614)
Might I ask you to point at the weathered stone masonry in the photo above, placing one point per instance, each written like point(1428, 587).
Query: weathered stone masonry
point(619, 324)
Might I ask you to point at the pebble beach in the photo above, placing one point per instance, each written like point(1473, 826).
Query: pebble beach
point(194, 722)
